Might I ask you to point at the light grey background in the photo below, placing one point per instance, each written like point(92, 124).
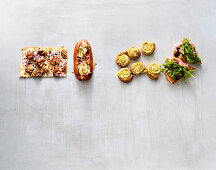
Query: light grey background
point(104, 124)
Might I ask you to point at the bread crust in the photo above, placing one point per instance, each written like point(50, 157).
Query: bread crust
point(169, 78)
point(75, 61)
point(183, 58)
point(118, 60)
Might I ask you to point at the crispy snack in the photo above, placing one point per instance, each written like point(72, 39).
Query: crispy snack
point(138, 68)
point(134, 53)
point(43, 62)
point(125, 75)
point(147, 48)
point(122, 59)
point(153, 70)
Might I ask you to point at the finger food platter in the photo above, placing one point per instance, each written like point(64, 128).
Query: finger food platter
point(107, 85)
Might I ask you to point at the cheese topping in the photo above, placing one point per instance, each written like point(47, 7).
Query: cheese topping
point(138, 68)
point(124, 73)
point(83, 69)
point(154, 69)
point(123, 59)
point(134, 53)
point(82, 49)
point(148, 48)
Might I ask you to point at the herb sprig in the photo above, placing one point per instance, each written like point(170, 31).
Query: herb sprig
point(176, 71)
point(189, 52)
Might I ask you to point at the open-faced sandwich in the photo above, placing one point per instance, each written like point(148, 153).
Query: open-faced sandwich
point(83, 60)
point(176, 69)
point(187, 52)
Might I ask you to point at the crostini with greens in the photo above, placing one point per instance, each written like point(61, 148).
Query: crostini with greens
point(187, 52)
point(176, 69)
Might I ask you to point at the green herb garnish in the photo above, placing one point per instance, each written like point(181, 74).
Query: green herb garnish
point(189, 51)
point(176, 71)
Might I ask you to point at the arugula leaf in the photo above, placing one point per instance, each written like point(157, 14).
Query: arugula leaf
point(176, 71)
point(189, 51)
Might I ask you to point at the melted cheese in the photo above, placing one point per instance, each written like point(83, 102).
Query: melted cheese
point(83, 69)
point(147, 48)
point(124, 73)
point(82, 49)
point(138, 68)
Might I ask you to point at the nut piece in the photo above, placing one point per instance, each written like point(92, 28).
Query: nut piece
point(134, 53)
point(153, 70)
point(147, 48)
point(122, 59)
point(64, 54)
point(125, 75)
point(138, 68)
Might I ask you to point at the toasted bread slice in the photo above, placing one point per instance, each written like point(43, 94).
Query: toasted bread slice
point(169, 78)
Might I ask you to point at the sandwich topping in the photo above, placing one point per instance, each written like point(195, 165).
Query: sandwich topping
point(187, 52)
point(82, 50)
point(177, 71)
point(43, 62)
point(83, 59)
point(84, 69)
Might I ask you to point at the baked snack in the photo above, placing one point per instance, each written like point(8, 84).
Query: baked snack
point(176, 70)
point(83, 60)
point(187, 52)
point(122, 59)
point(43, 62)
point(147, 48)
point(124, 74)
point(134, 53)
point(153, 70)
point(138, 68)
